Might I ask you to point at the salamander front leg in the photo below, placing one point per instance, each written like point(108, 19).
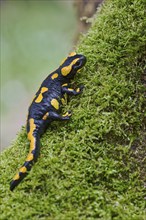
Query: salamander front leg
point(55, 116)
point(70, 91)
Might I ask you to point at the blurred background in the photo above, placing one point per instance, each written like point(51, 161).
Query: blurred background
point(35, 36)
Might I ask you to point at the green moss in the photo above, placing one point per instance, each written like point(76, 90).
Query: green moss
point(93, 166)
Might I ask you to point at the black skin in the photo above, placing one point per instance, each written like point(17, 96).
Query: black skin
point(42, 112)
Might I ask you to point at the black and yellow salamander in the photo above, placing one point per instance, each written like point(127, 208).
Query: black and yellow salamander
point(45, 108)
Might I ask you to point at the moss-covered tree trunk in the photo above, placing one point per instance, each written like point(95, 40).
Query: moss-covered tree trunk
point(93, 166)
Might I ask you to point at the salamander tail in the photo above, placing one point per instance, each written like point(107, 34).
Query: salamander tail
point(31, 158)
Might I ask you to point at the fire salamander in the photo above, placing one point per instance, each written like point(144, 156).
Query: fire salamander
point(45, 108)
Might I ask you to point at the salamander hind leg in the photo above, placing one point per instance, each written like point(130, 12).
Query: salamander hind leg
point(55, 116)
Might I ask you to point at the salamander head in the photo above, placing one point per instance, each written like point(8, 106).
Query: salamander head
point(72, 64)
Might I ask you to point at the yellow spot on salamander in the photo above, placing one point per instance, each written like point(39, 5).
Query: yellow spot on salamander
point(63, 101)
point(30, 134)
point(45, 116)
point(62, 61)
point(69, 89)
point(54, 76)
point(78, 90)
point(67, 69)
point(29, 157)
point(66, 114)
point(55, 103)
point(44, 89)
point(16, 177)
point(65, 84)
point(23, 169)
point(72, 54)
point(40, 96)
